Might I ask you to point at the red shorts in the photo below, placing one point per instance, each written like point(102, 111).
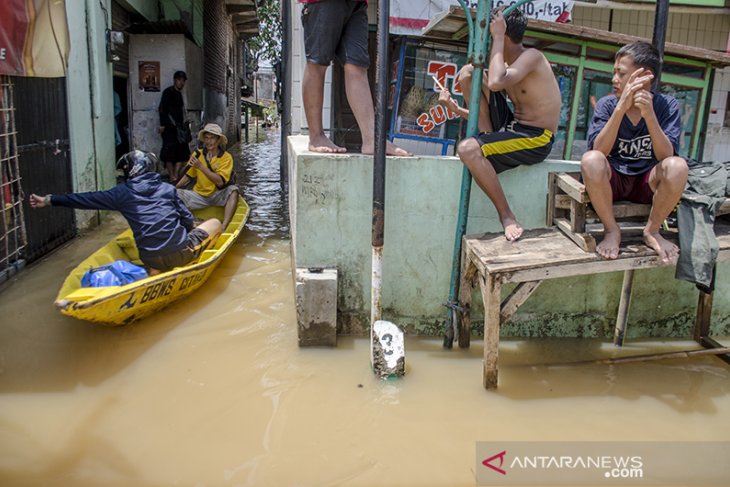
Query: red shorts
point(631, 188)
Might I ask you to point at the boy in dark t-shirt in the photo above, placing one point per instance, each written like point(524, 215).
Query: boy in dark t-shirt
point(633, 140)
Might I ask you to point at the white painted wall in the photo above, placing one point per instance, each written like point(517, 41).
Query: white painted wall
point(174, 52)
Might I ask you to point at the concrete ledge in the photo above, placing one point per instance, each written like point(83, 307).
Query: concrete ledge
point(316, 301)
point(330, 199)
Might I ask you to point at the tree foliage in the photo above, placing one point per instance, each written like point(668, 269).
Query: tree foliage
point(267, 45)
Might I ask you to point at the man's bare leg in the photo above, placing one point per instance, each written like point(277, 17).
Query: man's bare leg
point(669, 178)
point(213, 228)
point(465, 78)
point(313, 99)
point(357, 88)
point(597, 176)
point(230, 209)
point(485, 176)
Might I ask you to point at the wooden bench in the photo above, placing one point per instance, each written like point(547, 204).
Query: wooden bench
point(569, 210)
point(489, 261)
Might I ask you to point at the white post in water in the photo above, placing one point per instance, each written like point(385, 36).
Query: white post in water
point(387, 350)
point(387, 355)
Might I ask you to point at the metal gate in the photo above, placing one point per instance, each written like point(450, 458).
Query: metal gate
point(12, 228)
point(43, 153)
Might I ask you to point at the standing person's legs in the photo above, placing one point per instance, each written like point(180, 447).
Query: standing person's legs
point(667, 179)
point(352, 51)
point(357, 88)
point(313, 99)
point(596, 172)
point(322, 25)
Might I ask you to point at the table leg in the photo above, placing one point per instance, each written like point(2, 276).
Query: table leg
point(623, 308)
point(704, 313)
point(466, 285)
point(491, 295)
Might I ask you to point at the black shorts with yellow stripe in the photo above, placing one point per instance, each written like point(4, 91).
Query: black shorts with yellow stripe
point(512, 144)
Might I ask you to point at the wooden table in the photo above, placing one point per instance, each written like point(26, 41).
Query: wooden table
point(489, 261)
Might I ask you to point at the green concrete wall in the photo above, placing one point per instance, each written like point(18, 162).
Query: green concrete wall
point(90, 100)
point(330, 198)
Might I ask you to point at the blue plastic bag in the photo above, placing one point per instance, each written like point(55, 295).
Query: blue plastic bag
point(118, 273)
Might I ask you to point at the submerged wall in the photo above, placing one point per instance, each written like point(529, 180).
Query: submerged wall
point(330, 198)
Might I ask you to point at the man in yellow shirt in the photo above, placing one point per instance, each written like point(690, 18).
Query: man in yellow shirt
point(212, 170)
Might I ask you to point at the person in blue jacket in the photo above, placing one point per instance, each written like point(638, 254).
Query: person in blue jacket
point(634, 141)
point(162, 225)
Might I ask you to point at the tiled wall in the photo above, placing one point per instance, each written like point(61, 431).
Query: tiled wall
point(708, 31)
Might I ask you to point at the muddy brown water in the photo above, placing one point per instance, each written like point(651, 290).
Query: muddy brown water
point(214, 391)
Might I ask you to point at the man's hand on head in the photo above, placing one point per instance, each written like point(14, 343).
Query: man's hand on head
point(498, 26)
point(635, 83)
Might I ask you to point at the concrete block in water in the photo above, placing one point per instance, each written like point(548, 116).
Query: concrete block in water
point(387, 350)
point(316, 299)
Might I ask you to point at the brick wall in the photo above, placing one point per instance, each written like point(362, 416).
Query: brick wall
point(221, 67)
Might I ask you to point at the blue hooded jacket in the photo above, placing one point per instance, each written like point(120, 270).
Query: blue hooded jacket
point(159, 220)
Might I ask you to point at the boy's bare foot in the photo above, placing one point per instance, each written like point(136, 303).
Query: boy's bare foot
point(667, 251)
point(320, 143)
point(512, 229)
point(608, 248)
point(390, 150)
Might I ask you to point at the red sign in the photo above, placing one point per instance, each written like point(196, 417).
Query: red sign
point(33, 38)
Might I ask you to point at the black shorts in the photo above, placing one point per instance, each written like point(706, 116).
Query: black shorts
point(174, 152)
point(336, 28)
point(198, 240)
point(512, 144)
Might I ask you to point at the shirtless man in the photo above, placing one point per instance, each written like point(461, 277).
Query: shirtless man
point(338, 29)
point(509, 139)
point(634, 137)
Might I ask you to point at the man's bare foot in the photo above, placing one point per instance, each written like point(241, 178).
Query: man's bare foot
point(608, 248)
point(667, 251)
point(512, 229)
point(390, 150)
point(320, 143)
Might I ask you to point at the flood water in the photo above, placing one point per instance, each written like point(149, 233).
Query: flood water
point(214, 391)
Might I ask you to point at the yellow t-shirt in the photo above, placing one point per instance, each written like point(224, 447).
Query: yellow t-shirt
point(222, 164)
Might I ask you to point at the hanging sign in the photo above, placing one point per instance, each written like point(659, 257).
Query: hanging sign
point(34, 38)
point(409, 17)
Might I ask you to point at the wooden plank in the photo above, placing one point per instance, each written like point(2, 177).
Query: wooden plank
point(466, 285)
point(516, 298)
point(585, 241)
point(562, 201)
point(572, 187)
point(578, 217)
point(623, 308)
point(629, 210)
point(551, 204)
point(704, 313)
point(491, 290)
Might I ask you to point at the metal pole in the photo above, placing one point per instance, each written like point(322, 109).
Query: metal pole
point(478, 49)
point(661, 17)
point(381, 110)
point(285, 89)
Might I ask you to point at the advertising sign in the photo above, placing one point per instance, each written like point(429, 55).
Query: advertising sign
point(409, 17)
point(33, 38)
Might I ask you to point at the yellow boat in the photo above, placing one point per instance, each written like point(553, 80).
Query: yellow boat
point(119, 305)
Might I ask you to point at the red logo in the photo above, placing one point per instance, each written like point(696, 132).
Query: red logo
point(500, 455)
